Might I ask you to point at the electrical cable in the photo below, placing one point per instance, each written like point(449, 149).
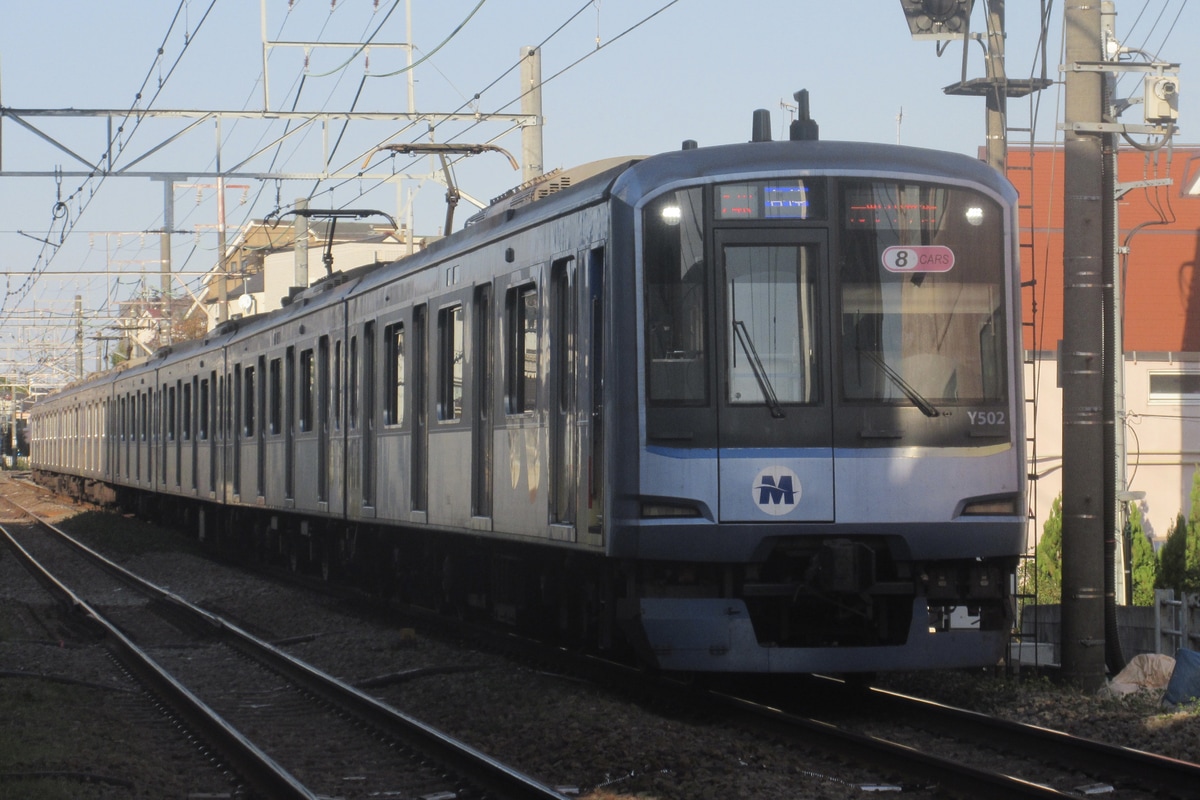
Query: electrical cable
point(430, 54)
point(545, 81)
point(69, 225)
point(313, 194)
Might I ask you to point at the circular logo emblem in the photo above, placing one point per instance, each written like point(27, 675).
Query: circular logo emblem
point(776, 490)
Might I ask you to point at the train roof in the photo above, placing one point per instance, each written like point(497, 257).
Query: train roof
point(628, 179)
point(815, 157)
point(632, 177)
point(585, 185)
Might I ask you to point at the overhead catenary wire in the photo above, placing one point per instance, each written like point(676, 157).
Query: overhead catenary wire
point(43, 260)
point(313, 194)
point(347, 191)
point(507, 104)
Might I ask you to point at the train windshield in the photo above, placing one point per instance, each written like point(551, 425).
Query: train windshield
point(873, 293)
point(921, 294)
point(676, 300)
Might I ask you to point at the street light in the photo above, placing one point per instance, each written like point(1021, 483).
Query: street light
point(937, 19)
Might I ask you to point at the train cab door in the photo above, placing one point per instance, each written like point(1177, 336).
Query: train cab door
point(774, 431)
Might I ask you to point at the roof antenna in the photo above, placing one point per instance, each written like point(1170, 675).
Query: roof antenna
point(804, 127)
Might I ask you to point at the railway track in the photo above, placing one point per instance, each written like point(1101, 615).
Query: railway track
point(1103, 767)
point(286, 729)
point(964, 753)
point(881, 740)
point(916, 746)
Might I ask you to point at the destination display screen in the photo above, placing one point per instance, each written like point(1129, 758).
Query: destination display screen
point(894, 207)
point(796, 198)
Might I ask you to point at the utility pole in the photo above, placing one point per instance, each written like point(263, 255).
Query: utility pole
point(949, 20)
point(531, 105)
point(1082, 355)
point(222, 256)
point(1116, 566)
point(78, 336)
point(165, 256)
point(997, 98)
point(300, 243)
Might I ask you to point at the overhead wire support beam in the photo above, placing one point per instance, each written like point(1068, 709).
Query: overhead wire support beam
point(368, 116)
point(22, 117)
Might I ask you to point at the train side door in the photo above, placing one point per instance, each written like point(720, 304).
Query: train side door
point(419, 381)
point(481, 446)
point(368, 415)
point(321, 397)
point(596, 476)
point(564, 449)
point(289, 424)
point(775, 440)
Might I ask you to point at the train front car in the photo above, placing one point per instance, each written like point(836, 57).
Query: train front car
point(824, 467)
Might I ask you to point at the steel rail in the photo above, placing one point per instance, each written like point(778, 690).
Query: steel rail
point(255, 766)
point(485, 771)
point(1156, 773)
point(955, 777)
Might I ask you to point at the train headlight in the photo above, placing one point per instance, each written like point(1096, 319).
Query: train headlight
point(660, 510)
point(974, 215)
point(991, 507)
point(671, 215)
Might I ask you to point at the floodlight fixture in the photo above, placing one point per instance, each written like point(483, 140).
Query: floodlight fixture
point(938, 19)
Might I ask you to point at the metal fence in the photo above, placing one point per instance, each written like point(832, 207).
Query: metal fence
point(1169, 625)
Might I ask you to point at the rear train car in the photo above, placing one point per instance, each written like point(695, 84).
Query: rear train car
point(747, 408)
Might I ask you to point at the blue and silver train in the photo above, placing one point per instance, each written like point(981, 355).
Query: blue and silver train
point(745, 408)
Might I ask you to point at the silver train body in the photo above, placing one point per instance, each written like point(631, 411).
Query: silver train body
point(747, 408)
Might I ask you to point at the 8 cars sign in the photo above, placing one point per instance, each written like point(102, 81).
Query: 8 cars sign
point(918, 258)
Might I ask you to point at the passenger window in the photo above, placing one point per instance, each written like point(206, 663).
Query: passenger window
point(394, 363)
point(202, 419)
point(170, 413)
point(275, 396)
point(353, 377)
point(248, 403)
point(187, 411)
point(308, 389)
point(336, 403)
point(450, 368)
point(523, 348)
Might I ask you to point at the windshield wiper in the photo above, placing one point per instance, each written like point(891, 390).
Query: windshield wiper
point(927, 408)
point(756, 365)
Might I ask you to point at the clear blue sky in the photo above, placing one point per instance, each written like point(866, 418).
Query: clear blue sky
point(696, 70)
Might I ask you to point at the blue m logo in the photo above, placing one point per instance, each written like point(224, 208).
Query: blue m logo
point(775, 493)
point(776, 490)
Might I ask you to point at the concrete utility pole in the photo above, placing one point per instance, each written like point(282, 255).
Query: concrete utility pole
point(222, 256)
point(531, 105)
point(997, 98)
point(300, 243)
point(78, 336)
point(1082, 358)
point(165, 256)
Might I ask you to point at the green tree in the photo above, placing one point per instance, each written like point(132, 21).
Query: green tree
point(1048, 565)
point(1172, 558)
point(1191, 577)
point(1144, 564)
